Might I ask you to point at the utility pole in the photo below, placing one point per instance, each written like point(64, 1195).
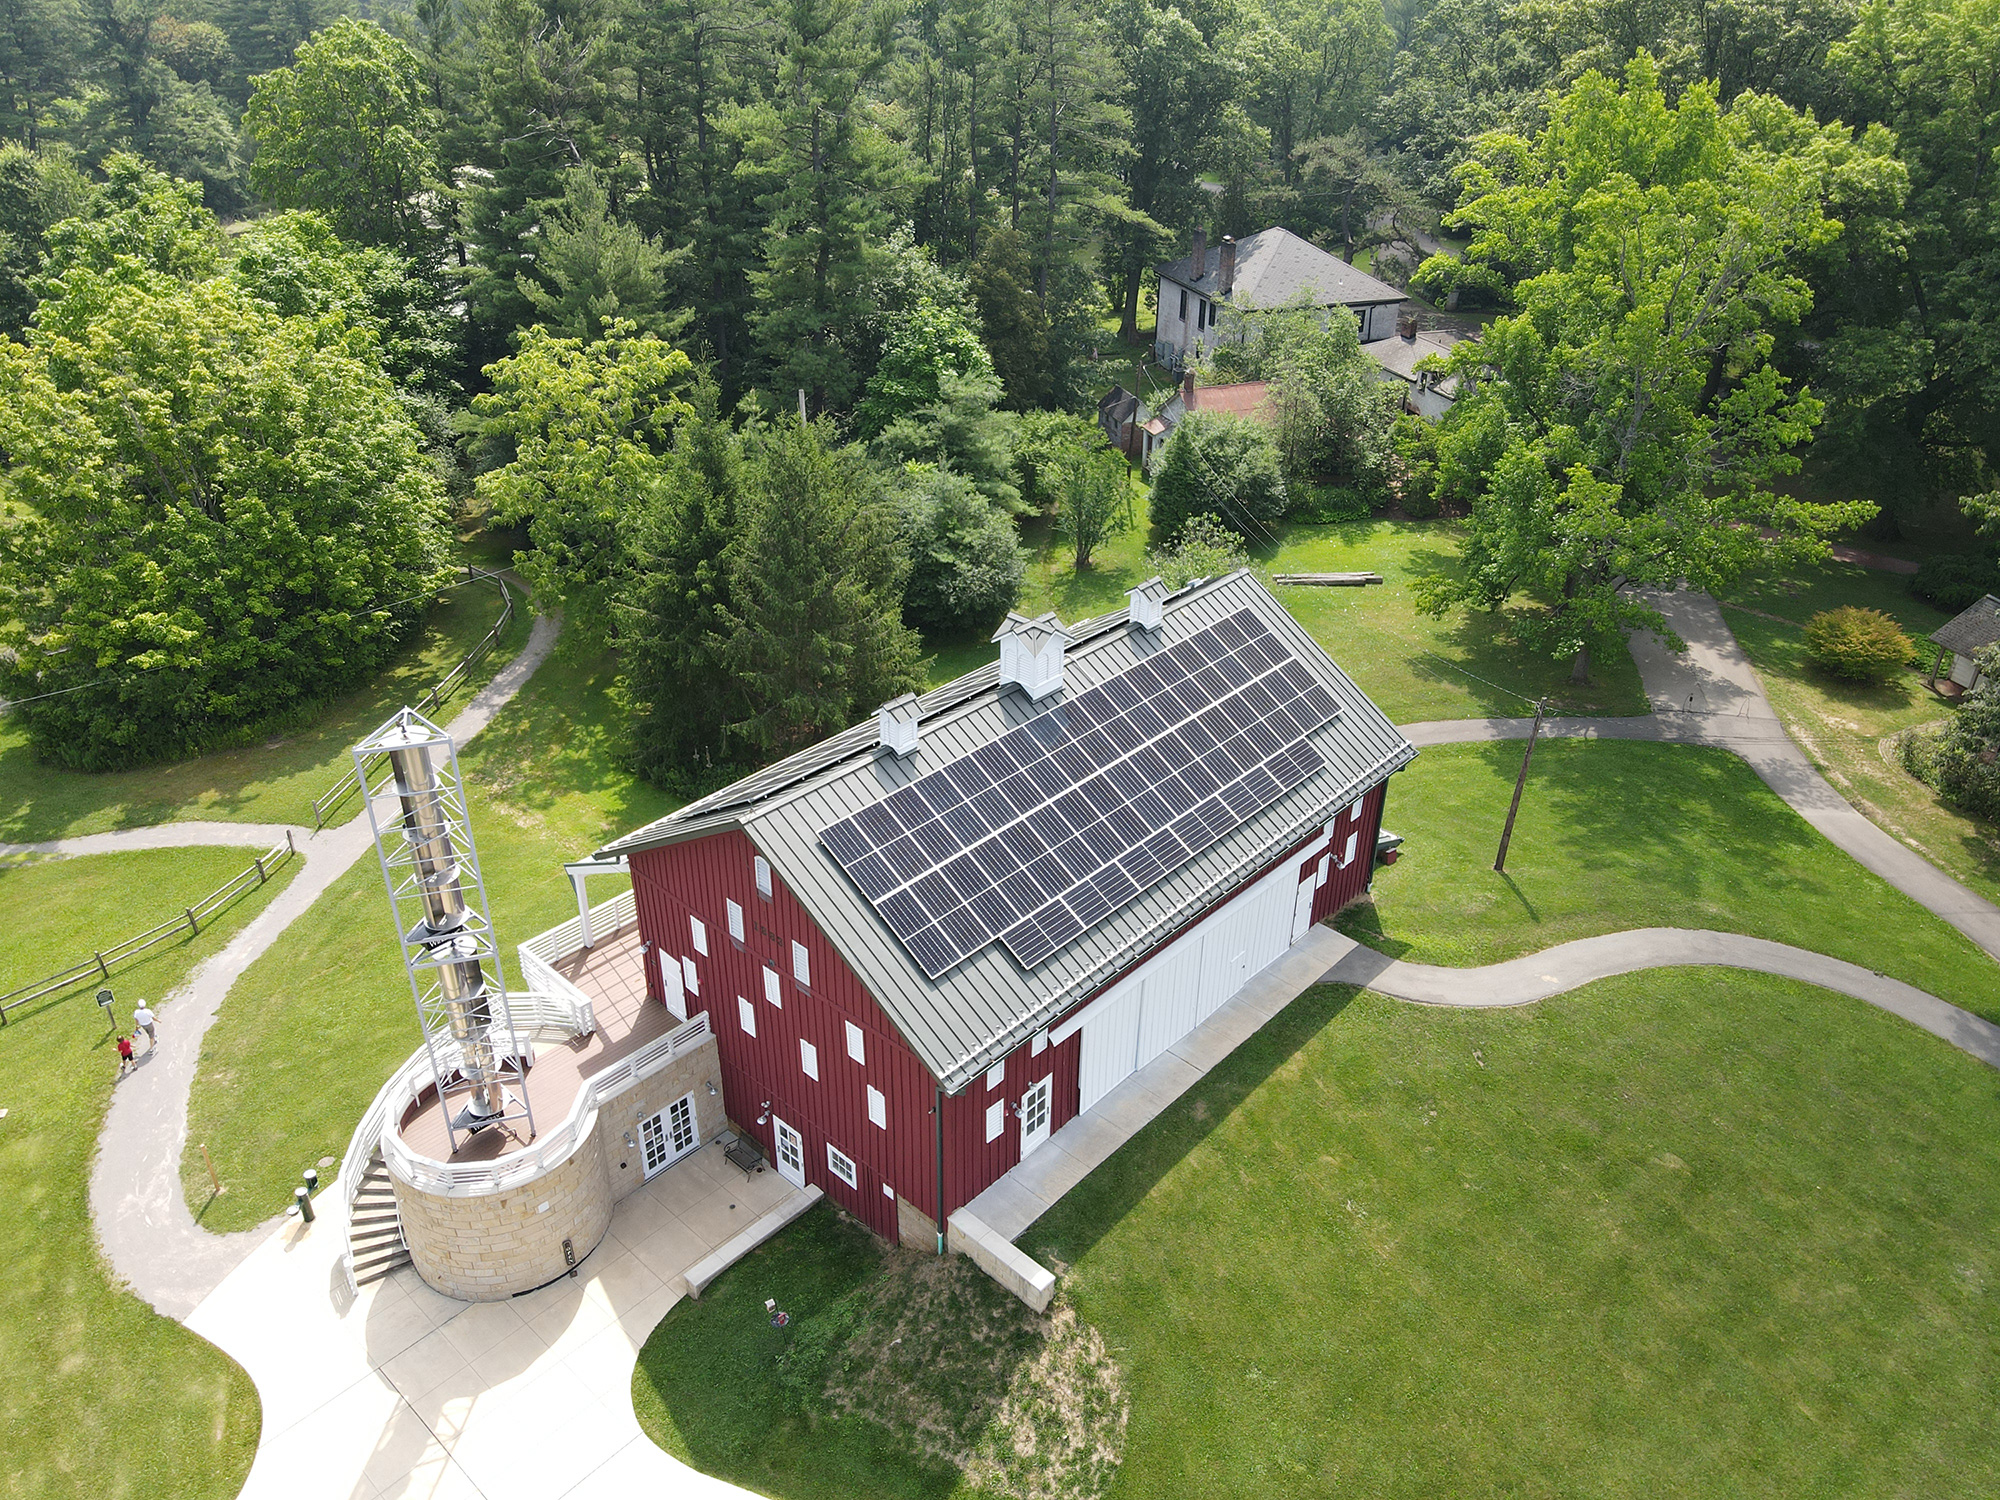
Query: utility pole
point(1507, 833)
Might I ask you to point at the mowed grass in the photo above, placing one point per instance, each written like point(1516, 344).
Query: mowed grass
point(271, 781)
point(1466, 665)
point(1616, 835)
point(316, 1025)
point(1687, 1232)
point(101, 1396)
point(1845, 727)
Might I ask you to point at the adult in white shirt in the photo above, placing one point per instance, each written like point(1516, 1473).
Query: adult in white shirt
point(143, 1019)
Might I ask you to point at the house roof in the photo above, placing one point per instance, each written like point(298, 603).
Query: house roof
point(960, 1023)
point(1118, 405)
point(1399, 355)
point(1975, 627)
point(1243, 399)
point(1273, 266)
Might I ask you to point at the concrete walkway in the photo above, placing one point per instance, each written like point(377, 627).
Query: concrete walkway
point(142, 1217)
point(1711, 696)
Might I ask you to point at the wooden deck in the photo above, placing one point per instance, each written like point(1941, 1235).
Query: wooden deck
point(612, 976)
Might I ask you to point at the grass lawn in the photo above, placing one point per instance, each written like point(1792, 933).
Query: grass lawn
point(546, 785)
point(1615, 835)
point(101, 1396)
point(1842, 726)
point(273, 781)
point(1679, 1233)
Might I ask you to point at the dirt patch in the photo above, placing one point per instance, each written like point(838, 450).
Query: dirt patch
point(1023, 1405)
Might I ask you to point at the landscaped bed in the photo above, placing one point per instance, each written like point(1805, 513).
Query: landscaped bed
point(1618, 834)
point(101, 1395)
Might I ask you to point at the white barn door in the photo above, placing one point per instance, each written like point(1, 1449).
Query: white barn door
point(1110, 1042)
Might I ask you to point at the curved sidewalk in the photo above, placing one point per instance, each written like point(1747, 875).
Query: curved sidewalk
point(141, 1215)
point(1711, 696)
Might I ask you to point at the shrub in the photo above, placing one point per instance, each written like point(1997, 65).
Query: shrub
point(1963, 761)
point(1956, 582)
point(1413, 468)
point(1862, 645)
point(966, 563)
point(1205, 548)
point(1216, 465)
point(1046, 445)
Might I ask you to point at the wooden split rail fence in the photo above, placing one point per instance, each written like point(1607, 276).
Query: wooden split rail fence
point(349, 784)
point(188, 923)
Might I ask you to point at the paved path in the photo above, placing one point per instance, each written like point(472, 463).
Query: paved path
point(1711, 696)
point(142, 1217)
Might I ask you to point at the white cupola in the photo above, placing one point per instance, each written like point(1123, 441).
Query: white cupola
point(1031, 654)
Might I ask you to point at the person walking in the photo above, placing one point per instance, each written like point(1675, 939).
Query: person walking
point(143, 1019)
point(124, 1054)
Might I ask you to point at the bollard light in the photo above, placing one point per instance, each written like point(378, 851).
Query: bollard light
point(312, 1179)
point(305, 1203)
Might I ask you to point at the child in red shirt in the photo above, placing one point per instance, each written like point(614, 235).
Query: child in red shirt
point(124, 1054)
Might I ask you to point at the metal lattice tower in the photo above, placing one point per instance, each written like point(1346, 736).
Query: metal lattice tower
point(430, 868)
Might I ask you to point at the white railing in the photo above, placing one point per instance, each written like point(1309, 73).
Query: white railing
point(551, 1146)
point(537, 1017)
point(566, 937)
point(579, 1015)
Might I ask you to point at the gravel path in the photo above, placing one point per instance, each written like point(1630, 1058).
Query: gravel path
point(142, 1217)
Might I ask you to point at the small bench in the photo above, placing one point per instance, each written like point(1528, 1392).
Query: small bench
point(745, 1153)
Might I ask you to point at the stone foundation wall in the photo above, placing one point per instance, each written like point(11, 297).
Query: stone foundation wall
point(915, 1229)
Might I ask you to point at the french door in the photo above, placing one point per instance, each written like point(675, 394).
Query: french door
point(1035, 1115)
point(666, 1137)
point(791, 1155)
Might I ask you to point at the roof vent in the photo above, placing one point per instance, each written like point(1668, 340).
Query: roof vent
point(1031, 654)
point(897, 720)
point(1149, 604)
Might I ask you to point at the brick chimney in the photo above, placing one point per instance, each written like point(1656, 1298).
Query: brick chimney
point(1228, 264)
point(1406, 325)
point(1200, 253)
point(1187, 391)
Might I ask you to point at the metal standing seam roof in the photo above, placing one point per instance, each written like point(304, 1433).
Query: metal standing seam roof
point(1970, 630)
point(1273, 266)
point(964, 1021)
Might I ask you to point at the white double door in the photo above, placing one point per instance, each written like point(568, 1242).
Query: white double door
point(666, 1137)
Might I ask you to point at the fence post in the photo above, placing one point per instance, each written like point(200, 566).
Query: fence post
point(288, 842)
point(261, 876)
point(188, 911)
point(100, 965)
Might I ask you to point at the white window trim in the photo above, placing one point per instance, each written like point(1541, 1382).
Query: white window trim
point(878, 1108)
point(857, 1045)
point(773, 990)
point(699, 931)
point(841, 1165)
point(735, 920)
point(801, 965)
point(996, 1119)
point(746, 1016)
point(690, 976)
point(809, 1059)
point(761, 869)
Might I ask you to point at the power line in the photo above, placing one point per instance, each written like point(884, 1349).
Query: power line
point(1497, 687)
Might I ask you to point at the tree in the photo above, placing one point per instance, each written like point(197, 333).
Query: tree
point(345, 131)
point(1203, 548)
point(1096, 503)
point(816, 582)
point(959, 431)
point(926, 346)
point(38, 189)
point(586, 428)
point(592, 270)
point(1217, 465)
point(1047, 444)
point(1014, 323)
point(673, 600)
point(225, 514)
point(966, 562)
point(1639, 419)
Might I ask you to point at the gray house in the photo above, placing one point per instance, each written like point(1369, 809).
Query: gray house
point(1962, 637)
point(1263, 270)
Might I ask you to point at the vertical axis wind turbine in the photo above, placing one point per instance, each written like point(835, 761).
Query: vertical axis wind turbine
point(430, 868)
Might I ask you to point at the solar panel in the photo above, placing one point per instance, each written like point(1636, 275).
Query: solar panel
point(1048, 829)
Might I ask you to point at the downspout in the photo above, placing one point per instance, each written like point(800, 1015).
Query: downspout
point(938, 1110)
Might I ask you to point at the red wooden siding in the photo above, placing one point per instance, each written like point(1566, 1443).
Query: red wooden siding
point(696, 879)
point(971, 1162)
point(1347, 885)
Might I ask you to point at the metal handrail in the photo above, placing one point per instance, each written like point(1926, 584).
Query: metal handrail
point(101, 961)
point(349, 784)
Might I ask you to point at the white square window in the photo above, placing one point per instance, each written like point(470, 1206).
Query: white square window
point(802, 966)
point(878, 1108)
point(689, 977)
point(841, 1165)
point(996, 1076)
point(857, 1045)
point(700, 934)
point(996, 1119)
point(1354, 812)
point(1040, 1044)
point(735, 920)
point(772, 990)
point(809, 1058)
point(746, 1016)
point(763, 868)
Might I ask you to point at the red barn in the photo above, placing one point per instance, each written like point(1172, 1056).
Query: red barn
point(930, 941)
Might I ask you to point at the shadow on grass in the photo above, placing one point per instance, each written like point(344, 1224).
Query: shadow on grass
point(1069, 1230)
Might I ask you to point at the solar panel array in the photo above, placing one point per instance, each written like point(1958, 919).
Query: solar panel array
point(1050, 828)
